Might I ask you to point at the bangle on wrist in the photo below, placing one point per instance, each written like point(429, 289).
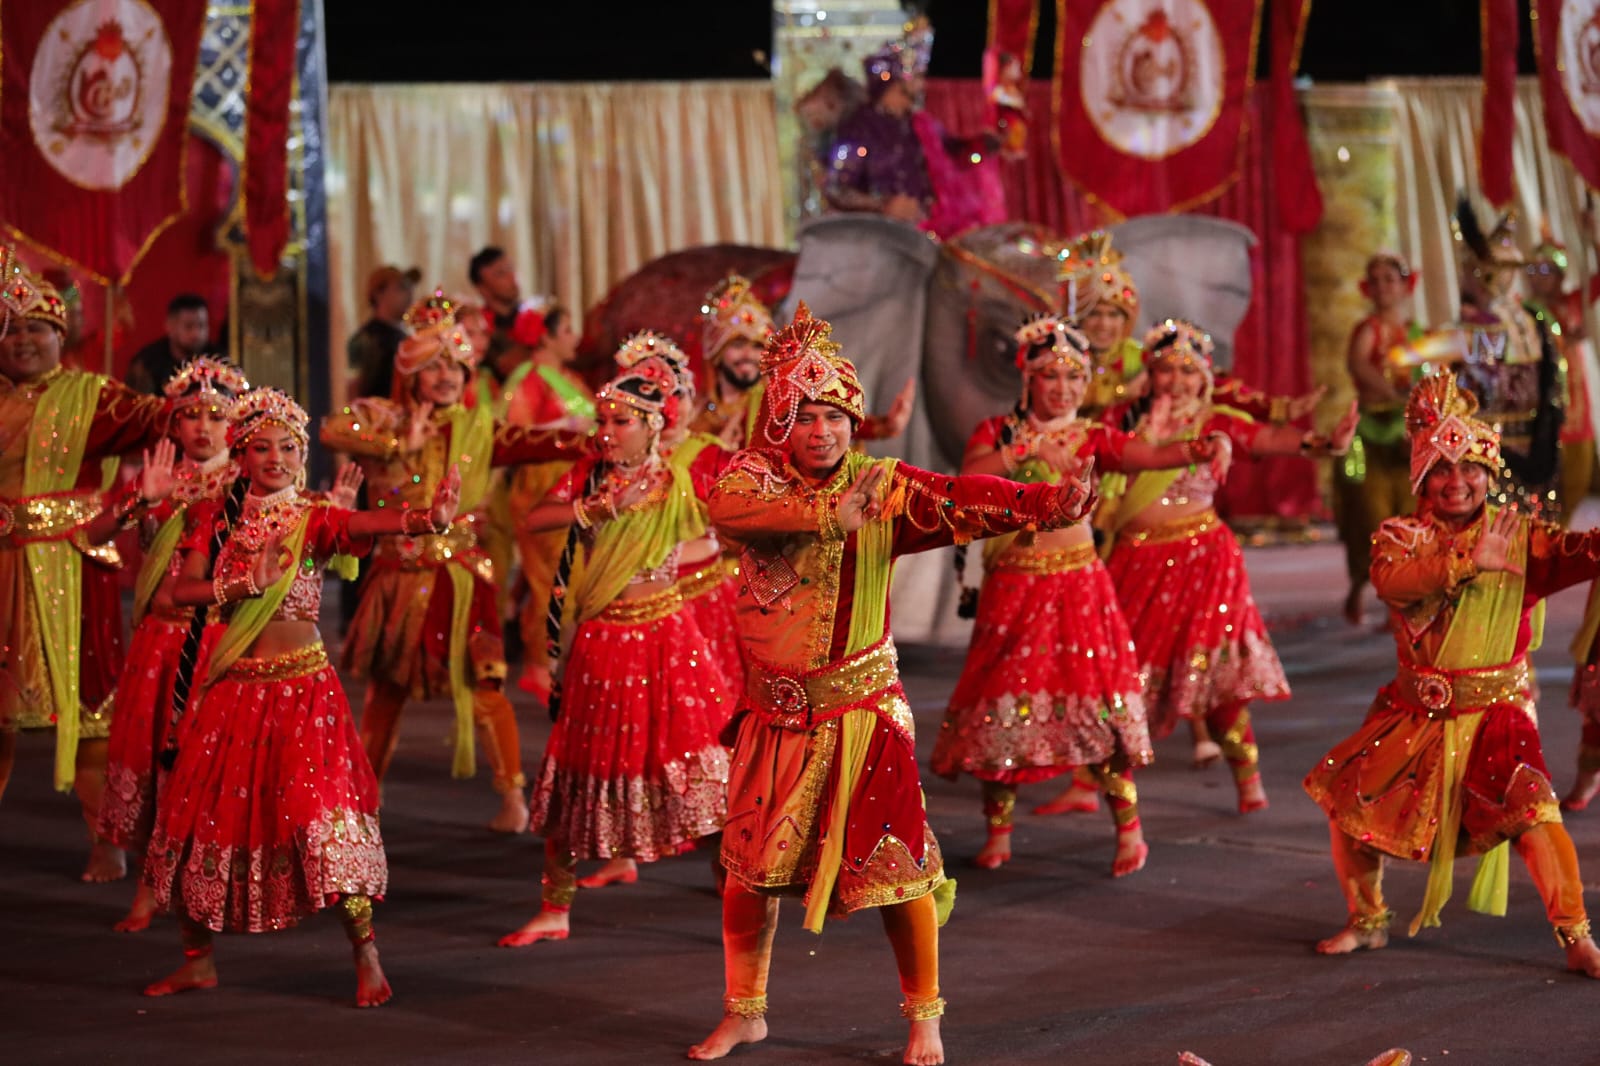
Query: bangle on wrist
point(415, 522)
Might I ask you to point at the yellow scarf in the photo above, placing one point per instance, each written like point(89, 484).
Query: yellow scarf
point(250, 617)
point(57, 437)
point(471, 451)
point(1482, 633)
point(156, 559)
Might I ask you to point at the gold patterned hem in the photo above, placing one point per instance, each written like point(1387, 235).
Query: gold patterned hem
point(703, 581)
point(1174, 529)
point(297, 663)
point(1046, 562)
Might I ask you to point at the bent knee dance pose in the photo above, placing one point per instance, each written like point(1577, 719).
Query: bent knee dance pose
point(1448, 760)
point(824, 801)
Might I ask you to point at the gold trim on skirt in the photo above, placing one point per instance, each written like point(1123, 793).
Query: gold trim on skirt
point(291, 664)
point(1173, 529)
point(1047, 561)
point(651, 608)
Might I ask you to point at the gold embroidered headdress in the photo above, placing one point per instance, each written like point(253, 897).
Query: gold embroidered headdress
point(646, 345)
point(731, 311)
point(1048, 338)
point(205, 381)
point(801, 365)
point(1182, 342)
point(1092, 273)
point(1440, 423)
point(266, 407)
point(434, 334)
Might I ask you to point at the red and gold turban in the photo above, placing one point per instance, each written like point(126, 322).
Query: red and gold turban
point(1440, 423)
point(732, 312)
point(803, 365)
point(435, 334)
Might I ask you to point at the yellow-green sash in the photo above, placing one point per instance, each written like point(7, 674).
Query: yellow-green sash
point(156, 559)
point(635, 541)
point(1482, 633)
point(1122, 503)
point(471, 451)
point(689, 449)
point(61, 421)
point(250, 617)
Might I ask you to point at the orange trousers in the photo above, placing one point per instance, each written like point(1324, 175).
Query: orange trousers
point(491, 711)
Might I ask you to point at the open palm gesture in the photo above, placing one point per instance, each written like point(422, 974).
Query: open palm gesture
point(1493, 553)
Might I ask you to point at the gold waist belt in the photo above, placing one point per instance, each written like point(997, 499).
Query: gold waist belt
point(1447, 693)
point(799, 701)
point(649, 608)
point(291, 664)
point(52, 517)
point(710, 575)
point(1048, 561)
point(428, 549)
point(1174, 529)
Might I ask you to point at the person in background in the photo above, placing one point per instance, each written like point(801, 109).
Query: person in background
point(495, 277)
point(188, 337)
point(369, 353)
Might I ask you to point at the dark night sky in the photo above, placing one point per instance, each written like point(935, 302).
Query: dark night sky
point(492, 40)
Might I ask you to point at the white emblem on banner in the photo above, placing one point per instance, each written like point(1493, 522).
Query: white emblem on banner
point(1152, 74)
point(1579, 48)
point(97, 98)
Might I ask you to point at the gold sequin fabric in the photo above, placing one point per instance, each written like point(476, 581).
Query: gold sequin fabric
point(1198, 636)
point(633, 767)
point(1051, 680)
point(26, 698)
point(400, 633)
point(271, 811)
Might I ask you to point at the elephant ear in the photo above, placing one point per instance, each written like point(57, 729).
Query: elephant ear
point(1190, 267)
point(986, 283)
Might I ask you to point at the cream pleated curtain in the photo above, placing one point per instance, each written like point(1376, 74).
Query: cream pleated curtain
point(1439, 124)
point(580, 183)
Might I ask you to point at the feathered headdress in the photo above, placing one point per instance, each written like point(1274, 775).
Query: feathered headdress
point(1091, 272)
point(1440, 423)
point(1481, 252)
point(803, 364)
point(205, 381)
point(264, 407)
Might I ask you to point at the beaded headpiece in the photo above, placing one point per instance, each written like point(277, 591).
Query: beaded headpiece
point(803, 364)
point(906, 57)
point(435, 334)
point(1394, 259)
point(1180, 341)
point(1440, 423)
point(1090, 273)
point(263, 407)
point(205, 381)
point(731, 311)
point(649, 386)
point(1045, 338)
point(647, 344)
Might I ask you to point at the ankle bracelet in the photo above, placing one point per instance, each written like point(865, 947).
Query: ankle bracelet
point(1372, 923)
point(1568, 935)
point(749, 1007)
point(921, 1012)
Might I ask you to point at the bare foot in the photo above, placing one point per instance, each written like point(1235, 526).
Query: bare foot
point(1074, 800)
point(996, 852)
point(1355, 604)
point(1583, 790)
point(137, 920)
point(372, 988)
point(106, 863)
point(513, 816)
point(198, 972)
point(1347, 940)
point(729, 1034)
point(923, 1046)
point(1252, 797)
point(1206, 753)
point(614, 872)
point(1132, 852)
point(546, 925)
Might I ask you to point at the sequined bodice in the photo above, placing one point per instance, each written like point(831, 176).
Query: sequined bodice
point(270, 520)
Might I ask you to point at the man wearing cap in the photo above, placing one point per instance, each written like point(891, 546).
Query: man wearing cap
point(824, 800)
point(60, 612)
point(370, 352)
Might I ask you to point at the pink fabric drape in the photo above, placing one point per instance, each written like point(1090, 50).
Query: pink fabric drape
point(1271, 344)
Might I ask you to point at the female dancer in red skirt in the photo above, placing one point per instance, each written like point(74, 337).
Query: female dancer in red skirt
point(633, 768)
point(201, 394)
point(706, 581)
point(1180, 575)
point(1051, 682)
point(271, 811)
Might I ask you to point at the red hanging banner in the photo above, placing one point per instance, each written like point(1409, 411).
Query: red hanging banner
point(1150, 99)
point(1294, 177)
point(94, 109)
point(1013, 25)
point(1566, 40)
point(274, 38)
point(1499, 28)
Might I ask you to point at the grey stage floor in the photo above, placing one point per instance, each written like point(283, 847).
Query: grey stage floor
point(1046, 961)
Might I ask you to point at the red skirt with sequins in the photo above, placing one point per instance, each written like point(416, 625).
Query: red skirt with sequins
point(1199, 638)
point(709, 590)
point(139, 732)
point(1050, 682)
point(633, 767)
point(271, 811)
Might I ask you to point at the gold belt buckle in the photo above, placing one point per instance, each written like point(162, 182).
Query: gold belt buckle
point(788, 696)
point(1435, 692)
